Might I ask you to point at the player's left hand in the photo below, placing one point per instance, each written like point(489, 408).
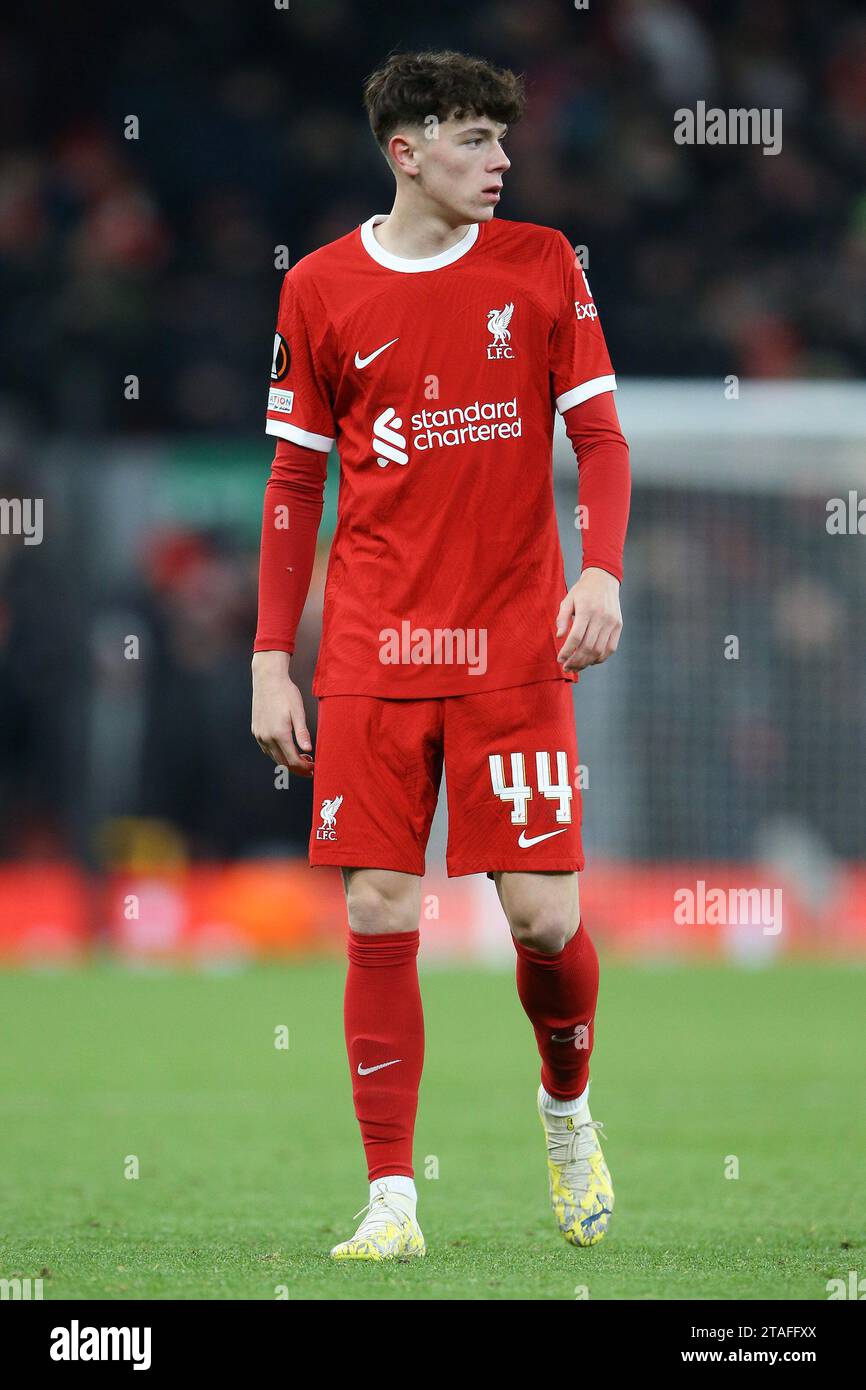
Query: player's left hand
point(590, 614)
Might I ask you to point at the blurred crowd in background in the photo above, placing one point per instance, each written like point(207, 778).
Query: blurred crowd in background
point(691, 754)
point(155, 257)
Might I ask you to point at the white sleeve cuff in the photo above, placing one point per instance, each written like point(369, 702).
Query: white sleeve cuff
point(283, 430)
point(585, 392)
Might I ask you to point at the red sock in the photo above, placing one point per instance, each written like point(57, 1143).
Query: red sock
point(559, 995)
point(385, 1042)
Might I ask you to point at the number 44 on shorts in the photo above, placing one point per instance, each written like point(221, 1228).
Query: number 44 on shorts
point(520, 793)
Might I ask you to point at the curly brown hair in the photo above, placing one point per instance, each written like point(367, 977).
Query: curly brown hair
point(410, 87)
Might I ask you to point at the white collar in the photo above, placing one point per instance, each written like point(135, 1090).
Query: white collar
point(408, 265)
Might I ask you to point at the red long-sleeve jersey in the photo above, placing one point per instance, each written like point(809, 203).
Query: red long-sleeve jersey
point(438, 379)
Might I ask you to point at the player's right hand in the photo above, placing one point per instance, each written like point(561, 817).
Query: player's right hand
point(279, 724)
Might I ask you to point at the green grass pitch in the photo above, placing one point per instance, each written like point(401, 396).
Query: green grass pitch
point(251, 1167)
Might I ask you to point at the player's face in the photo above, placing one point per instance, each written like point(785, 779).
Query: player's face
point(461, 165)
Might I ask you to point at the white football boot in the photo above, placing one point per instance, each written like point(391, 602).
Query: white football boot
point(389, 1230)
point(581, 1192)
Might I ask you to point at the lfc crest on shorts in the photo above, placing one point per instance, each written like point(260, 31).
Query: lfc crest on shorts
point(328, 814)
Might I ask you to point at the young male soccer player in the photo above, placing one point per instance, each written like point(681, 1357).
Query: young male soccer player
point(434, 345)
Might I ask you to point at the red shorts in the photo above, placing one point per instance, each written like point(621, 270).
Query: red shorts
point(511, 766)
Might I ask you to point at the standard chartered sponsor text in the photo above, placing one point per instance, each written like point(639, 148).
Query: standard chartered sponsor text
point(468, 424)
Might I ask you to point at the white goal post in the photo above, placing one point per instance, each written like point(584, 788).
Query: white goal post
point(774, 436)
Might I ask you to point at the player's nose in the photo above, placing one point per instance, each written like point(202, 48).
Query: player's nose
point(500, 163)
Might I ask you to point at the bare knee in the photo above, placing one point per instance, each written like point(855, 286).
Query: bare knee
point(546, 930)
point(543, 909)
point(382, 900)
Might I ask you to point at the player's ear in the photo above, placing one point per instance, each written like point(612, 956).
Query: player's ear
point(402, 155)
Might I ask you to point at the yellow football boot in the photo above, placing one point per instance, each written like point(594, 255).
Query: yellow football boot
point(581, 1192)
point(389, 1231)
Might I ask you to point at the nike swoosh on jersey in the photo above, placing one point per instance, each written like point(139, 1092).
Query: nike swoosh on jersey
point(362, 362)
point(536, 839)
point(365, 1071)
